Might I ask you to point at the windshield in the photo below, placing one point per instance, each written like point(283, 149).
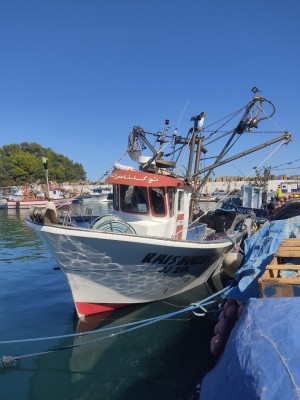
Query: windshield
point(133, 199)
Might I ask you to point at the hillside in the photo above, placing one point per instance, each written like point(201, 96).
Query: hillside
point(20, 163)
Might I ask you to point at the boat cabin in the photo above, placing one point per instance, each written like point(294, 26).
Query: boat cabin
point(153, 204)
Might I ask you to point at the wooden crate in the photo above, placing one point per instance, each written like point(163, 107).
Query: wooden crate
point(271, 284)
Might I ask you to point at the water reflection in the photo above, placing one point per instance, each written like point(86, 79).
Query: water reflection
point(160, 361)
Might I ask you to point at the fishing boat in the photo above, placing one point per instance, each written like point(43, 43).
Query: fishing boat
point(31, 199)
point(206, 197)
point(149, 248)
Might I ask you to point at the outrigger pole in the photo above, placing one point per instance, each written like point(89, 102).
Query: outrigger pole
point(287, 137)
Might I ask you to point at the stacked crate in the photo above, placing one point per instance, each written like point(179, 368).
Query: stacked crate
point(272, 283)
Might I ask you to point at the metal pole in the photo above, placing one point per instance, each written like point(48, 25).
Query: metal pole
point(46, 171)
point(286, 137)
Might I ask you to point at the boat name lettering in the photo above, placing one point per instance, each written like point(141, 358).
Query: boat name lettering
point(134, 178)
point(155, 258)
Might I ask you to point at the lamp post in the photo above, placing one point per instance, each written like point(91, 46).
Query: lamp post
point(46, 171)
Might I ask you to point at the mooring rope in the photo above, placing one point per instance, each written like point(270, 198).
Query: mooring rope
point(10, 360)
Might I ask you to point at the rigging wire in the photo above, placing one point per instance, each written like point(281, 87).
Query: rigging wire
point(182, 158)
point(244, 162)
point(278, 169)
point(112, 166)
point(225, 123)
point(227, 116)
point(244, 180)
point(178, 123)
point(220, 137)
point(287, 163)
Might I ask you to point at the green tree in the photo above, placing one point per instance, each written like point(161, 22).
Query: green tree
point(20, 163)
point(24, 166)
point(60, 174)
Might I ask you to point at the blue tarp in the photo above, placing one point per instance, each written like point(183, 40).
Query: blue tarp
point(262, 356)
point(259, 252)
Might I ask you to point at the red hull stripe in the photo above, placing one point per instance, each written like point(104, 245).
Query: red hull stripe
point(95, 308)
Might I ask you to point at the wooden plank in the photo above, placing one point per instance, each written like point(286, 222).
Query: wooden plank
point(269, 289)
point(290, 252)
point(283, 281)
point(293, 267)
point(291, 242)
point(274, 261)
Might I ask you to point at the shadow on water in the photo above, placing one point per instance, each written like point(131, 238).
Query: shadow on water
point(164, 360)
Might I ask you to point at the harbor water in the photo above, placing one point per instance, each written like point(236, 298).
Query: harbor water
point(164, 360)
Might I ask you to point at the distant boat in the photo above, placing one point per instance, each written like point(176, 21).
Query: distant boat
point(3, 202)
point(101, 192)
point(97, 192)
point(30, 199)
point(206, 197)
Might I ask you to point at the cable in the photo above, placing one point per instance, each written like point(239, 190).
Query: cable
point(11, 360)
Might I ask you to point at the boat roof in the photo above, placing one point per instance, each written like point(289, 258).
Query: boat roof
point(145, 179)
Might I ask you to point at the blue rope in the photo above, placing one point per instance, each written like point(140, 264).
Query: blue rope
point(237, 247)
point(9, 360)
point(191, 307)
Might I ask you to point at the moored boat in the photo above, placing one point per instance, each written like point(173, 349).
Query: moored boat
point(34, 202)
point(31, 199)
point(149, 248)
point(140, 254)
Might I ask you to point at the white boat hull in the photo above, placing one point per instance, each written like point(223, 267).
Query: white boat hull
point(61, 202)
point(106, 270)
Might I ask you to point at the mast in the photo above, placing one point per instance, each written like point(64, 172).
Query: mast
point(198, 122)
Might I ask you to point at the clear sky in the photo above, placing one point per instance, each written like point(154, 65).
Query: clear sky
point(76, 75)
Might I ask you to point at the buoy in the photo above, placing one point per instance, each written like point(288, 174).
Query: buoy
point(216, 344)
point(231, 263)
point(232, 311)
point(279, 192)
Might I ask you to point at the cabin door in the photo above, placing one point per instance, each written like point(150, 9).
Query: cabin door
point(180, 214)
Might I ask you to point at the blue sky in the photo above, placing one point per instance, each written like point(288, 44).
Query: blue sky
point(77, 75)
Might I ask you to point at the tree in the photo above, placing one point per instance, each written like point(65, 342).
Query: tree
point(24, 167)
point(20, 163)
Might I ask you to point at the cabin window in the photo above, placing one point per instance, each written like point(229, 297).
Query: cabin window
point(133, 199)
point(116, 196)
point(180, 200)
point(158, 201)
point(171, 197)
